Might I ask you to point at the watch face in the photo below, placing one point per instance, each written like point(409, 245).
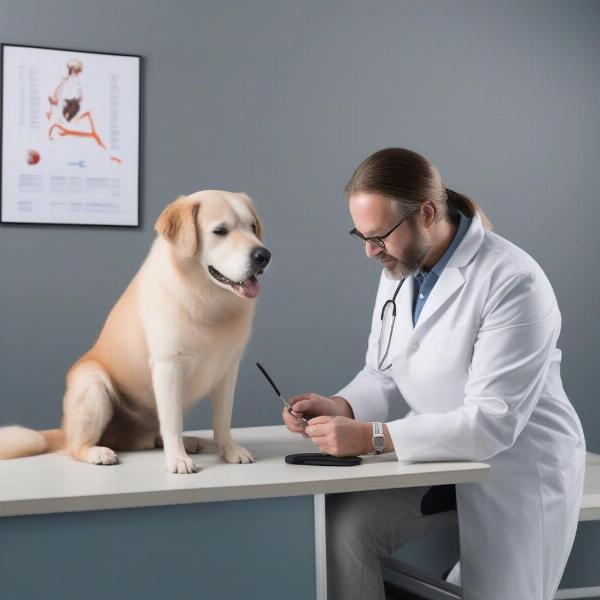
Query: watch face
point(379, 443)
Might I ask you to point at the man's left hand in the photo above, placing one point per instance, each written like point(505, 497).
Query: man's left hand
point(340, 436)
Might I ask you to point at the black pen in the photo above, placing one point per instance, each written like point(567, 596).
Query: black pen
point(301, 420)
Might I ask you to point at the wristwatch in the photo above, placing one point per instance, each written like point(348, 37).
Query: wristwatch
point(378, 438)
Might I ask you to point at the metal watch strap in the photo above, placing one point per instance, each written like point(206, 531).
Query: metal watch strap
point(378, 438)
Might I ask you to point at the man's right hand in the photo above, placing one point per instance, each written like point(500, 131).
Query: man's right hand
point(313, 405)
point(292, 423)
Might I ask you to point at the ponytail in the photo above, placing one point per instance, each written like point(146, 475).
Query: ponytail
point(457, 201)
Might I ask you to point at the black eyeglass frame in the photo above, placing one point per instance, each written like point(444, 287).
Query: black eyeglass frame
point(377, 240)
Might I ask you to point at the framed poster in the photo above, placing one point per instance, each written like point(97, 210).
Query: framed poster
point(70, 137)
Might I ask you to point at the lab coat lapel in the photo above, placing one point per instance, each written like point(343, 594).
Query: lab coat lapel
point(404, 310)
point(450, 280)
point(452, 277)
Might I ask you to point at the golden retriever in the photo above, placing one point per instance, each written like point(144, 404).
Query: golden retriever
point(175, 335)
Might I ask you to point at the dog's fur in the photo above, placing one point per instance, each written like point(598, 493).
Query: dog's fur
point(176, 334)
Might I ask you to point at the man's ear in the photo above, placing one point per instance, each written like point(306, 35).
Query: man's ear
point(250, 204)
point(178, 225)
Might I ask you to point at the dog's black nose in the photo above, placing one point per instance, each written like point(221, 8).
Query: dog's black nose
point(260, 257)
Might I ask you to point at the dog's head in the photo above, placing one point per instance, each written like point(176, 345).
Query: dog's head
point(223, 233)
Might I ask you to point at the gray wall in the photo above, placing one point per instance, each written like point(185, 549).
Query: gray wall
point(282, 100)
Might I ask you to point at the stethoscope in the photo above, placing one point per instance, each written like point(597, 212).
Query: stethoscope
point(392, 302)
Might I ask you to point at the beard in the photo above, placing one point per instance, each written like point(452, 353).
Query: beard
point(411, 259)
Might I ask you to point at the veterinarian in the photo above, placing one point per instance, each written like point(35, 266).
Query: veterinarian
point(464, 330)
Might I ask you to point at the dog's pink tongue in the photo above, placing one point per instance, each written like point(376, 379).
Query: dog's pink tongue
point(251, 288)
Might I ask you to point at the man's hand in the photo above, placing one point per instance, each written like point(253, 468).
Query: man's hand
point(340, 436)
point(313, 405)
point(292, 423)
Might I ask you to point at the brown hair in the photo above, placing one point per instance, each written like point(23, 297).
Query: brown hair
point(409, 178)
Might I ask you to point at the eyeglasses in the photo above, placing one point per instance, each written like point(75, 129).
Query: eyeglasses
point(388, 318)
point(377, 240)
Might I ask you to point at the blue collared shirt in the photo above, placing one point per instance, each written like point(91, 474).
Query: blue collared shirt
point(423, 282)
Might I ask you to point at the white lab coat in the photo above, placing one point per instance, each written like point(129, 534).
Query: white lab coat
point(480, 372)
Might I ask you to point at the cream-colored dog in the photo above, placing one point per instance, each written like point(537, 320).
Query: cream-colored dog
point(176, 334)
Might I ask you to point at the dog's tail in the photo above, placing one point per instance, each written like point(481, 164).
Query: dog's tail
point(17, 441)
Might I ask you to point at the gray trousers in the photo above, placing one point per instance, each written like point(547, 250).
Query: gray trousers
point(362, 527)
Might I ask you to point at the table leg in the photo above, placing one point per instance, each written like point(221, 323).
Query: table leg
point(320, 547)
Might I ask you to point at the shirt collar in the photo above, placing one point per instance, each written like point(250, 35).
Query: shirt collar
point(461, 230)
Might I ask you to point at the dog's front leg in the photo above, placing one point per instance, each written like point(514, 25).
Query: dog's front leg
point(167, 381)
point(222, 404)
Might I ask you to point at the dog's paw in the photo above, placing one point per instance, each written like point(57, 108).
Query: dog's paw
point(192, 445)
point(181, 464)
point(236, 454)
point(101, 455)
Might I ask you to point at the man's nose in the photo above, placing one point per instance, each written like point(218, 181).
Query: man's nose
point(371, 250)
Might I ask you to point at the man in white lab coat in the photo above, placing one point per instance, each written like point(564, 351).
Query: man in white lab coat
point(464, 330)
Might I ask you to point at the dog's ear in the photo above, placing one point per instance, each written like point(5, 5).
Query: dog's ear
point(250, 204)
point(178, 224)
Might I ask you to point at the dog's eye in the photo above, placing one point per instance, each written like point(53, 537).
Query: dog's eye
point(220, 231)
point(254, 227)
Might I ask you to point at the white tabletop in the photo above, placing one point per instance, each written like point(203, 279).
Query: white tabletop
point(52, 483)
